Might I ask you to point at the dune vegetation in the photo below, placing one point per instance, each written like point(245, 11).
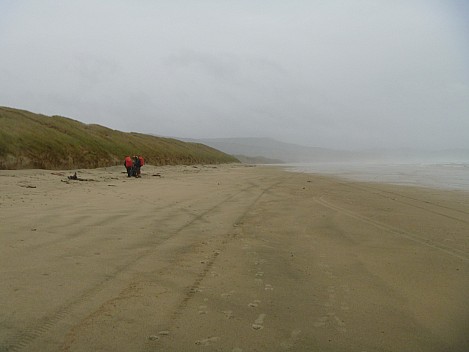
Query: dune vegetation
point(29, 140)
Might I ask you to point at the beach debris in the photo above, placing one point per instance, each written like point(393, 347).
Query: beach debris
point(27, 186)
point(74, 177)
point(157, 175)
point(153, 338)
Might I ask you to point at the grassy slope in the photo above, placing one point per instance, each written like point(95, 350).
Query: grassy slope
point(29, 140)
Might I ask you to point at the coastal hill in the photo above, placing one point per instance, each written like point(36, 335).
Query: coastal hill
point(271, 151)
point(29, 140)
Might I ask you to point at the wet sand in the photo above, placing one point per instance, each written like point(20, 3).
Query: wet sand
point(229, 258)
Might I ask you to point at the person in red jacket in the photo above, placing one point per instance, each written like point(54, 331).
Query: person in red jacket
point(128, 165)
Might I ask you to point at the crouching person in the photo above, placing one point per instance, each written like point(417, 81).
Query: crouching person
point(138, 163)
point(136, 167)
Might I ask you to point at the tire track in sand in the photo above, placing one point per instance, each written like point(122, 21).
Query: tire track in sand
point(35, 330)
point(427, 204)
point(396, 231)
point(193, 289)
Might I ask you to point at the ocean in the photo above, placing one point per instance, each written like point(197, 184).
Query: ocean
point(451, 176)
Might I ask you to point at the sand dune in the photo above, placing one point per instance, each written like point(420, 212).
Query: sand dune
point(229, 258)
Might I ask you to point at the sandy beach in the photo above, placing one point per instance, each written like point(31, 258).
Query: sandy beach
point(229, 258)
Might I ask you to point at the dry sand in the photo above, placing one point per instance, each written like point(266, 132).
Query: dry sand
point(229, 258)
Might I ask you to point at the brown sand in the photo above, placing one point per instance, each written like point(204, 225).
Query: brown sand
point(230, 258)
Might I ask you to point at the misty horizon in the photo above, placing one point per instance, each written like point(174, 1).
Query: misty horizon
point(368, 149)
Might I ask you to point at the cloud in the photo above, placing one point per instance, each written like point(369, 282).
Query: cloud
point(358, 74)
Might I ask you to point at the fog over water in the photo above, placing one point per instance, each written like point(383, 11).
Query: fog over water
point(451, 176)
point(358, 74)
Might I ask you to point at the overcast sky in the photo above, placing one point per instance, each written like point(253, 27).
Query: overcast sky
point(345, 74)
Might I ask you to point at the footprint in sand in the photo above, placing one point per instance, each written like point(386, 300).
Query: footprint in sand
point(208, 341)
point(259, 274)
point(227, 294)
point(333, 320)
point(203, 310)
point(268, 287)
point(320, 322)
point(259, 322)
point(254, 304)
point(346, 288)
point(289, 343)
point(330, 274)
point(228, 314)
point(158, 336)
point(259, 282)
point(339, 321)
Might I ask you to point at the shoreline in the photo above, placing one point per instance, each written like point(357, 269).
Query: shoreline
point(444, 176)
point(232, 258)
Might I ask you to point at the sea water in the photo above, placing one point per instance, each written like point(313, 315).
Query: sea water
point(453, 176)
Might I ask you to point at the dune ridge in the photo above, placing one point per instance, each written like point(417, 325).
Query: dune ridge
point(34, 141)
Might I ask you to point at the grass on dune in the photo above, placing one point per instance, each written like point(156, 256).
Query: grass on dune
point(29, 140)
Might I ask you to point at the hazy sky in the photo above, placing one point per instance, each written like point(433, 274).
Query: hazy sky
point(337, 74)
